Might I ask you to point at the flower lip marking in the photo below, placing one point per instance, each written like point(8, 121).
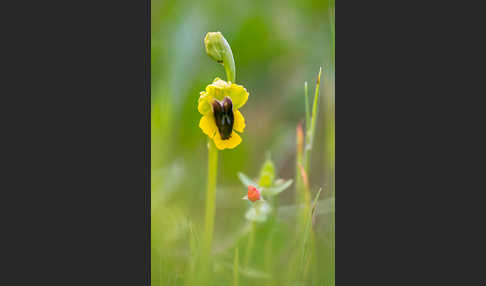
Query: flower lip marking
point(223, 116)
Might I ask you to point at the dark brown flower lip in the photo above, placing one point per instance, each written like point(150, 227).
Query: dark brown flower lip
point(223, 116)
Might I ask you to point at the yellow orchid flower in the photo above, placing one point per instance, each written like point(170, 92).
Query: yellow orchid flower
point(219, 105)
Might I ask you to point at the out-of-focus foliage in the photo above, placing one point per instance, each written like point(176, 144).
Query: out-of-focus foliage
point(277, 46)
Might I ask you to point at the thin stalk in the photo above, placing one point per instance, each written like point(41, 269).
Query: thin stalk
point(210, 197)
point(307, 124)
point(229, 62)
point(269, 253)
point(308, 238)
point(249, 246)
point(307, 113)
point(309, 140)
point(298, 161)
point(236, 266)
point(331, 134)
point(230, 75)
point(294, 266)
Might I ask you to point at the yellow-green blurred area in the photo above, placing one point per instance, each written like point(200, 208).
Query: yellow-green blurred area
point(277, 46)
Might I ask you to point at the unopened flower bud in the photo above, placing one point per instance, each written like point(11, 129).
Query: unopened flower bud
point(214, 42)
point(219, 50)
point(267, 173)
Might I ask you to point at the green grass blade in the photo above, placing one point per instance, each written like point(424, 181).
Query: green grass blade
point(310, 132)
point(307, 113)
point(308, 228)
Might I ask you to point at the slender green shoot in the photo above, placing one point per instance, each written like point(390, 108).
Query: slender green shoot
point(308, 238)
point(228, 62)
point(307, 113)
point(298, 161)
point(311, 128)
point(236, 266)
point(249, 246)
point(210, 197)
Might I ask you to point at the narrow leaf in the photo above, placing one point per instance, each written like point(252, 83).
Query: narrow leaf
point(275, 190)
point(246, 181)
point(310, 137)
point(307, 112)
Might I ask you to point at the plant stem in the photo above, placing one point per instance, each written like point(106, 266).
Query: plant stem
point(210, 197)
point(236, 267)
point(298, 161)
point(307, 113)
point(309, 140)
point(229, 62)
point(249, 246)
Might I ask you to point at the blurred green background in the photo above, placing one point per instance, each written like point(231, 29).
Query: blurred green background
point(277, 46)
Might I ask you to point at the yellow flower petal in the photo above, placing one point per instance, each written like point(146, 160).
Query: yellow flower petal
point(230, 143)
point(239, 123)
point(215, 92)
point(204, 103)
point(218, 89)
point(238, 95)
point(220, 83)
point(208, 125)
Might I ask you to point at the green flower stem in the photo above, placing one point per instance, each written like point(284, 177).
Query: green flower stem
point(236, 267)
point(249, 246)
point(229, 62)
point(210, 197)
point(230, 74)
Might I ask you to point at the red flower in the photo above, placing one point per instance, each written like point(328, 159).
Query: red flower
point(253, 194)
